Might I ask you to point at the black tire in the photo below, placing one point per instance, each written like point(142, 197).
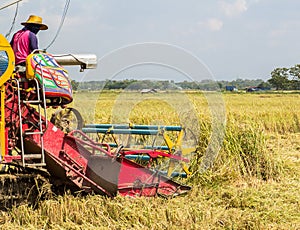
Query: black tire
point(67, 119)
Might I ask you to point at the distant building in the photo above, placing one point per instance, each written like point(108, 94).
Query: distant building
point(148, 91)
point(255, 89)
point(231, 88)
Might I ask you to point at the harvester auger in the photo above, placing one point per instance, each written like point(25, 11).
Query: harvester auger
point(29, 142)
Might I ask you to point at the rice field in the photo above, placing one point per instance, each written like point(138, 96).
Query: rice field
point(252, 182)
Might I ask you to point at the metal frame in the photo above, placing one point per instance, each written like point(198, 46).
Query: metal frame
point(5, 46)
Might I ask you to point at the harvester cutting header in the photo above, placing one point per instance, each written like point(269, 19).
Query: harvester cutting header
point(89, 158)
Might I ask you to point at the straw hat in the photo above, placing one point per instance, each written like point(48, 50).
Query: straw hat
point(33, 19)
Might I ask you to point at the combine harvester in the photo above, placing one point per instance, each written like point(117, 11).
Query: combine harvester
point(33, 146)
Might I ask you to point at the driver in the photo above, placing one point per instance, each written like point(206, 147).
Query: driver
point(25, 40)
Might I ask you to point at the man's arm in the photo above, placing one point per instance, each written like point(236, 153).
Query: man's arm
point(33, 42)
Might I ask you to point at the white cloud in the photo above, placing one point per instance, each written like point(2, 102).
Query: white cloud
point(212, 24)
point(233, 9)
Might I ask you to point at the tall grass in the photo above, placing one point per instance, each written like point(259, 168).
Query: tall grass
point(243, 156)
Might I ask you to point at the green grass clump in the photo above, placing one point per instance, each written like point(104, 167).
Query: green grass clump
point(243, 155)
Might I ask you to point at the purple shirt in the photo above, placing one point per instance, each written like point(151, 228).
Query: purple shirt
point(23, 43)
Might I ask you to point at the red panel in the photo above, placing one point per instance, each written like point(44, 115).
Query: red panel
point(135, 180)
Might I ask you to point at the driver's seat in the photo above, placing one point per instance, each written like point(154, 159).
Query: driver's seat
point(57, 86)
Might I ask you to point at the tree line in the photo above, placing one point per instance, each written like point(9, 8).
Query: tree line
point(281, 79)
point(286, 78)
point(163, 85)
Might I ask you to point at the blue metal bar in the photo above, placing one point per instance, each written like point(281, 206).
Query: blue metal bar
point(138, 157)
point(107, 126)
point(127, 126)
point(120, 131)
point(157, 127)
point(174, 174)
point(162, 147)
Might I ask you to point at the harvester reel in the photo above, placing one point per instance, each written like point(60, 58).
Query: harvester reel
point(67, 119)
point(186, 147)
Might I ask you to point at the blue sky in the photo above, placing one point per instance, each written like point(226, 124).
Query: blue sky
point(232, 38)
